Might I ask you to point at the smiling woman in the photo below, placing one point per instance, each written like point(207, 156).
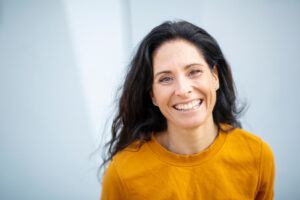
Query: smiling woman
point(176, 133)
point(183, 86)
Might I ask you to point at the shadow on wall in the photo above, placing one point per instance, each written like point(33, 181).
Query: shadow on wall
point(1, 13)
point(44, 124)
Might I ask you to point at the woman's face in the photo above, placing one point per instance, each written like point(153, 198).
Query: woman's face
point(184, 87)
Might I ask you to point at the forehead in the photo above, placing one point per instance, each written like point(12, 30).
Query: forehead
point(177, 53)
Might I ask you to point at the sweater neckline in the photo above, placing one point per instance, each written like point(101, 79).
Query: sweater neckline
point(187, 160)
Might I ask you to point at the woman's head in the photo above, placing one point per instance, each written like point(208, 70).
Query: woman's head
point(137, 116)
point(184, 87)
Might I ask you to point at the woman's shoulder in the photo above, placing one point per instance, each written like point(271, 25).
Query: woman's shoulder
point(134, 161)
point(122, 167)
point(242, 136)
point(242, 139)
point(133, 156)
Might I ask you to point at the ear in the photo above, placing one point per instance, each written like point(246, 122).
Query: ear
point(152, 96)
point(215, 74)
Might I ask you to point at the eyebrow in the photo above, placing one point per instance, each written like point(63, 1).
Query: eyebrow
point(168, 71)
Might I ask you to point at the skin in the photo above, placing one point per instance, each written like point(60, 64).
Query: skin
point(181, 76)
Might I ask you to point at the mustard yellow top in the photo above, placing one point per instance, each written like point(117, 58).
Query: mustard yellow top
point(238, 165)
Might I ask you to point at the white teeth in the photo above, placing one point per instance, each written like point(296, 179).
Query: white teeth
point(188, 106)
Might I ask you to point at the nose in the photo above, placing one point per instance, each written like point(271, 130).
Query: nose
point(183, 87)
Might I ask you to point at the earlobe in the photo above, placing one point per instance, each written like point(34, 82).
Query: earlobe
point(151, 95)
point(216, 74)
point(152, 98)
point(216, 77)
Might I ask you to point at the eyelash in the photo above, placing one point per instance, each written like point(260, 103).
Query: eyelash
point(165, 79)
point(191, 73)
point(194, 72)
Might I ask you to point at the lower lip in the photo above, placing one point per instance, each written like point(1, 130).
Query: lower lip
point(190, 111)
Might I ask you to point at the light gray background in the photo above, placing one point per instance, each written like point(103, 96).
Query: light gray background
point(62, 60)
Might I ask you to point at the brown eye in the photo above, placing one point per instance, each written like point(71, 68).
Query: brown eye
point(165, 79)
point(194, 72)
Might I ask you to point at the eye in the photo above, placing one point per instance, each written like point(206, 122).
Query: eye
point(194, 72)
point(165, 79)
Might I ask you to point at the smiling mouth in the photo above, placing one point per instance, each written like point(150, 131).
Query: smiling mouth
point(189, 106)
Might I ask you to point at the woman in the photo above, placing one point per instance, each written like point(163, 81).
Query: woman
point(176, 133)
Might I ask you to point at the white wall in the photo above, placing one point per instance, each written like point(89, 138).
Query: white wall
point(61, 61)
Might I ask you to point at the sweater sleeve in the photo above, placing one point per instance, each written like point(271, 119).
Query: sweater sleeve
point(112, 186)
point(267, 174)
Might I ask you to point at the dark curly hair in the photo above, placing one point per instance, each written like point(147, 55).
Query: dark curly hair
point(137, 117)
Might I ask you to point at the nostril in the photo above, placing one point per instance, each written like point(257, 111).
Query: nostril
point(183, 91)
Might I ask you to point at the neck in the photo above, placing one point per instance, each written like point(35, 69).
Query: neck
point(188, 141)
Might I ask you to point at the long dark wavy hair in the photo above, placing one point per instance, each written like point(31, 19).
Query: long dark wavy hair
point(137, 117)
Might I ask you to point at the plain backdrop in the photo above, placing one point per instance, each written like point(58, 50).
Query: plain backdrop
point(61, 62)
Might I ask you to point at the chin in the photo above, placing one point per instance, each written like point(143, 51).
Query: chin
point(190, 125)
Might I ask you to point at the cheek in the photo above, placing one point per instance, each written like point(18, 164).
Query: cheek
point(207, 88)
point(204, 84)
point(213, 96)
point(161, 94)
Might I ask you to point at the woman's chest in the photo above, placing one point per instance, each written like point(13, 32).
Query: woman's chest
point(210, 181)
